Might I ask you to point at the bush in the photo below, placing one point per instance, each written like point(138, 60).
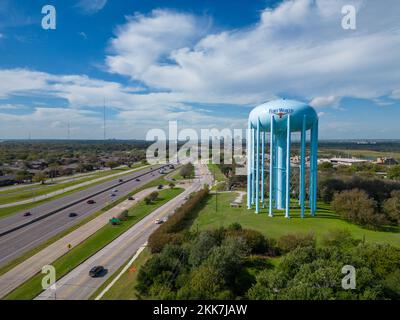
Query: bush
point(290, 242)
point(176, 223)
point(123, 216)
point(339, 238)
point(391, 207)
point(355, 205)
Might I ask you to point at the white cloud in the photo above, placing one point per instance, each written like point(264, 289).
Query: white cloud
point(91, 6)
point(297, 48)
point(318, 102)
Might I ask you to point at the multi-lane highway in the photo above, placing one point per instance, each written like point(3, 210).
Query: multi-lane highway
point(18, 234)
point(78, 285)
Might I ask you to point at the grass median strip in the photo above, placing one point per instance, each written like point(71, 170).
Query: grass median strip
point(31, 288)
point(37, 249)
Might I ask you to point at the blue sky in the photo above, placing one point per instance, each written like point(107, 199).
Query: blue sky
point(205, 63)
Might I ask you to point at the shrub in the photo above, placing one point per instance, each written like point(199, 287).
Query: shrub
point(290, 242)
point(391, 207)
point(123, 216)
point(355, 205)
point(176, 223)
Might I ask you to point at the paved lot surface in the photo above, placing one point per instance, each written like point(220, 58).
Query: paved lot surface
point(15, 243)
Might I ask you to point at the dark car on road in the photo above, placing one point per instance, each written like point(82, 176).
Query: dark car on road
point(131, 198)
point(121, 180)
point(90, 202)
point(96, 271)
point(27, 214)
point(137, 179)
point(73, 215)
point(160, 187)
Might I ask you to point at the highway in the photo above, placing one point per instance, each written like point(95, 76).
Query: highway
point(15, 243)
point(78, 285)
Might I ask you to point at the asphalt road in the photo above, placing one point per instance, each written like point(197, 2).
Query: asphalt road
point(15, 243)
point(78, 285)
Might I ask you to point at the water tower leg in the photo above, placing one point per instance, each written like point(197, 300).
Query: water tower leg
point(281, 140)
point(253, 167)
point(258, 169)
point(262, 167)
point(288, 142)
point(303, 167)
point(249, 175)
point(271, 166)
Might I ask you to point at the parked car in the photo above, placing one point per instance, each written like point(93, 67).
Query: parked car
point(96, 271)
point(160, 187)
point(27, 214)
point(90, 202)
point(73, 215)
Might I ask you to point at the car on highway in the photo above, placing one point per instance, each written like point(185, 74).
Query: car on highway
point(158, 221)
point(115, 190)
point(137, 179)
point(96, 271)
point(131, 198)
point(90, 202)
point(112, 195)
point(72, 215)
point(121, 180)
point(27, 214)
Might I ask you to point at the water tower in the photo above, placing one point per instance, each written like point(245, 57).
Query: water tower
point(280, 118)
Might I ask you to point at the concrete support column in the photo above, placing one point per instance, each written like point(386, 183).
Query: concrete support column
point(281, 140)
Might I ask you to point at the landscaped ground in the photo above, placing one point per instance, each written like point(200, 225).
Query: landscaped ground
point(101, 238)
point(325, 220)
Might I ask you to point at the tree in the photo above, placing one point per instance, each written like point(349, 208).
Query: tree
point(187, 171)
point(391, 207)
point(394, 172)
point(171, 185)
point(23, 175)
point(40, 177)
point(112, 164)
point(356, 206)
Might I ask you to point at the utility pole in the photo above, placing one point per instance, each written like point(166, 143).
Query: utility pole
point(104, 119)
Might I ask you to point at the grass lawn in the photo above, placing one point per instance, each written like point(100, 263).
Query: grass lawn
point(14, 209)
point(214, 169)
point(31, 288)
point(124, 288)
point(275, 227)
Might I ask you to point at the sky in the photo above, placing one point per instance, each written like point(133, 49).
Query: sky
point(203, 63)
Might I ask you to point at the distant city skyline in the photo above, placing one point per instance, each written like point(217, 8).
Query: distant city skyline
point(203, 63)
